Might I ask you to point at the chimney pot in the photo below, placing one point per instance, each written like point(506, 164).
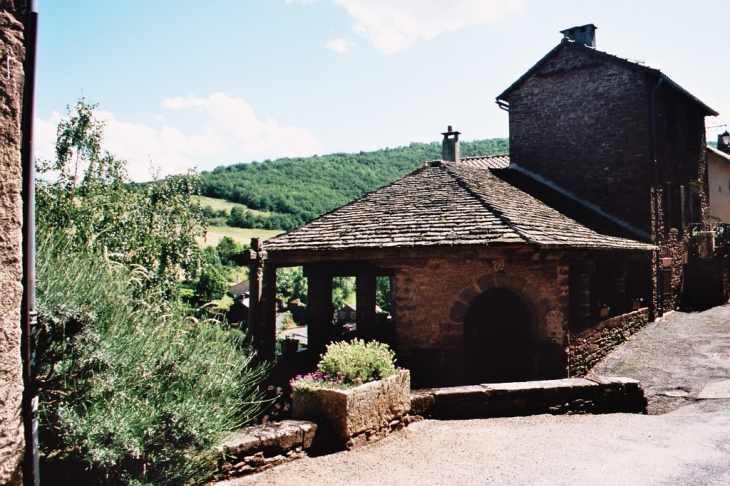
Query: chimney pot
point(583, 34)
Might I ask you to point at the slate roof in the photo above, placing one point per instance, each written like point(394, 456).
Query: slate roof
point(488, 162)
point(592, 51)
point(445, 204)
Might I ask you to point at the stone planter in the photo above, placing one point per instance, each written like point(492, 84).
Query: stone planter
point(367, 410)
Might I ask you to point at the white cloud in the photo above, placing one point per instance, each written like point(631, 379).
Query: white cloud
point(229, 132)
point(394, 26)
point(340, 45)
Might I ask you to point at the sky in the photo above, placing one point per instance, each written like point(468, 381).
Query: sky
point(188, 84)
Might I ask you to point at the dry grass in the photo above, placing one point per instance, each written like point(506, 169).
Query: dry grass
point(218, 204)
point(241, 235)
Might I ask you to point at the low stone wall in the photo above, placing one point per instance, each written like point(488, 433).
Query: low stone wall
point(260, 447)
point(557, 397)
point(589, 346)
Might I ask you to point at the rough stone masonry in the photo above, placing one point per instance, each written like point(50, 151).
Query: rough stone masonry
point(11, 383)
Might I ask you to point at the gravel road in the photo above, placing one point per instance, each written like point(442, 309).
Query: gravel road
point(683, 441)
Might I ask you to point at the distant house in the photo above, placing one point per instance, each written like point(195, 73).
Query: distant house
point(522, 267)
point(718, 172)
point(241, 288)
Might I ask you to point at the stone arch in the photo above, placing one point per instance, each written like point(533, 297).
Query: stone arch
point(536, 303)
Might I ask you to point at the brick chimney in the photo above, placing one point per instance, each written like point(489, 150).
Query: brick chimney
point(450, 146)
point(723, 142)
point(584, 34)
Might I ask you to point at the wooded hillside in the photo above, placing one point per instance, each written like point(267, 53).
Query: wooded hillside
point(300, 189)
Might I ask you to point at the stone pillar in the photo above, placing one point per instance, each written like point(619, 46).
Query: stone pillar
point(319, 311)
point(579, 294)
point(267, 315)
point(365, 294)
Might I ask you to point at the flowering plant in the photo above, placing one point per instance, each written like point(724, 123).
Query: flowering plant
point(347, 365)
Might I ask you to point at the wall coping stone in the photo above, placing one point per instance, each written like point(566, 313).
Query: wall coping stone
point(562, 396)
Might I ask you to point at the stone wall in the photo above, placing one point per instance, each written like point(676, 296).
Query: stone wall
point(254, 449)
point(11, 90)
point(556, 397)
point(432, 298)
point(589, 346)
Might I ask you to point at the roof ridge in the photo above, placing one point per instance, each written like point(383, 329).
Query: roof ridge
point(490, 207)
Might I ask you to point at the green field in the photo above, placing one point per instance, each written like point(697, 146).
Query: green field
point(241, 235)
point(219, 204)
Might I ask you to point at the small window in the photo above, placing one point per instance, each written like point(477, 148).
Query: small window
point(353, 315)
point(342, 314)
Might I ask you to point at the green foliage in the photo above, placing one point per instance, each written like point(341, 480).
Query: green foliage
point(243, 218)
point(226, 248)
point(134, 388)
point(382, 293)
point(212, 285)
point(300, 189)
point(291, 284)
point(154, 226)
point(343, 291)
point(347, 365)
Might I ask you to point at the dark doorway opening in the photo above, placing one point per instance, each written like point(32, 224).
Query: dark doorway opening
point(497, 338)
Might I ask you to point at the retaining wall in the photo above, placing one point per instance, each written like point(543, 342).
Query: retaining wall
point(589, 346)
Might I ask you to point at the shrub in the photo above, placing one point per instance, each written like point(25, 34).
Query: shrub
point(347, 365)
point(134, 389)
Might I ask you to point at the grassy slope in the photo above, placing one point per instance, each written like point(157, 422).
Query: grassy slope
point(241, 235)
point(219, 204)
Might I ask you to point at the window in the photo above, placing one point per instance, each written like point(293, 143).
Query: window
point(353, 315)
point(342, 314)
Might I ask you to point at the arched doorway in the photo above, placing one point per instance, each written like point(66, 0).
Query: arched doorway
point(497, 338)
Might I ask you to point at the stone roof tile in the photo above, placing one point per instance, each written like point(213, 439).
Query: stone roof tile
point(445, 204)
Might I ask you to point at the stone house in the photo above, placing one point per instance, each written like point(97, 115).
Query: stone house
point(718, 176)
point(500, 266)
point(619, 137)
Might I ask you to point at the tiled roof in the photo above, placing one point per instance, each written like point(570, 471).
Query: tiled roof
point(488, 162)
point(444, 204)
point(592, 51)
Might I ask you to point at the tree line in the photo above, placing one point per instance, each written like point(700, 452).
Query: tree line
point(297, 190)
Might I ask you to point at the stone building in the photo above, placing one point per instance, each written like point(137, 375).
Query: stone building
point(12, 18)
point(488, 281)
point(525, 267)
point(616, 136)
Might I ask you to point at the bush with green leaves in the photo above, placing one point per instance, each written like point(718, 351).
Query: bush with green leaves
point(349, 364)
point(135, 389)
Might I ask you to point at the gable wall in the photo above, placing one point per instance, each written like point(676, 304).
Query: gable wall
point(584, 124)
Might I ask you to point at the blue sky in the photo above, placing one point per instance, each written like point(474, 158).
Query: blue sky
point(200, 84)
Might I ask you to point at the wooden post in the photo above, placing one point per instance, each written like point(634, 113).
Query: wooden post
point(267, 315)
